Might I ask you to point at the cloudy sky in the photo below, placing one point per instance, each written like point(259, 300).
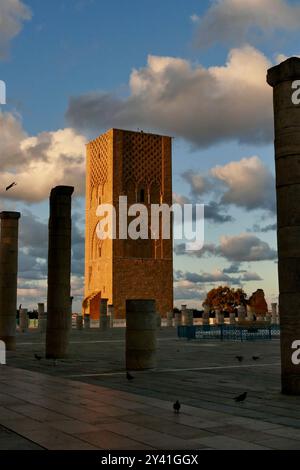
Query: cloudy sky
point(193, 69)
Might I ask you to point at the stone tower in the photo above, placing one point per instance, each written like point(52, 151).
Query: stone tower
point(137, 165)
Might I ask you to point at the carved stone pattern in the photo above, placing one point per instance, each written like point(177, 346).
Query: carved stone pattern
point(142, 158)
point(99, 160)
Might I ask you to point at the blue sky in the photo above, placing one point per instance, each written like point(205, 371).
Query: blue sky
point(54, 54)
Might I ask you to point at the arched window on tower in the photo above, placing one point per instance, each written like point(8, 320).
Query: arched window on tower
point(142, 193)
point(155, 193)
point(130, 192)
point(141, 196)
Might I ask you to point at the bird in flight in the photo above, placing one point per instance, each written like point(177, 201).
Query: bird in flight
point(241, 397)
point(10, 186)
point(177, 407)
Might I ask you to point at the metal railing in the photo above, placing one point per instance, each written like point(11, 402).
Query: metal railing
point(229, 332)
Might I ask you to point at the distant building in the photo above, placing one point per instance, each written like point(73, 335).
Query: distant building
point(137, 165)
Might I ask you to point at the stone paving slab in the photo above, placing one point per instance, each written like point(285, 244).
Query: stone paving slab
point(85, 401)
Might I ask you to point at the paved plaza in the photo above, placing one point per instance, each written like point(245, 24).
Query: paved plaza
point(86, 402)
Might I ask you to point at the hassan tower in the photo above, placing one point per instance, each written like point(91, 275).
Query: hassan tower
point(137, 165)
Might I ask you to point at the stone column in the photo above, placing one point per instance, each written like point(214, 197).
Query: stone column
point(79, 322)
point(250, 313)
point(187, 316)
point(287, 159)
point(42, 318)
point(23, 320)
point(71, 316)
point(205, 316)
point(278, 317)
point(110, 312)
point(268, 317)
point(169, 319)
point(274, 314)
point(184, 315)
point(8, 277)
point(241, 313)
point(59, 273)
point(190, 318)
point(103, 321)
point(232, 318)
point(219, 317)
point(158, 320)
point(87, 322)
point(141, 321)
point(177, 319)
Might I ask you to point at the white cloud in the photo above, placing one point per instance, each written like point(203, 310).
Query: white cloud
point(236, 249)
point(249, 184)
point(40, 162)
point(180, 199)
point(200, 184)
point(245, 247)
point(12, 14)
point(250, 276)
point(235, 21)
point(176, 97)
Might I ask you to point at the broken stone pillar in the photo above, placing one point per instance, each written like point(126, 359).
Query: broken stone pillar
point(184, 315)
point(187, 316)
point(42, 318)
point(23, 320)
point(71, 316)
point(274, 314)
point(158, 320)
point(59, 273)
point(87, 322)
point(205, 315)
point(141, 321)
point(250, 313)
point(110, 312)
point(287, 160)
point(79, 322)
point(232, 318)
point(219, 317)
point(8, 277)
point(169, 319)
point(241, 313)
point(103, 321)
point(177, 319)
point(268, 318)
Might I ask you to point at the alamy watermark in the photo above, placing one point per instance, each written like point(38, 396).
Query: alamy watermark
point(153, 221)
point(2, 92)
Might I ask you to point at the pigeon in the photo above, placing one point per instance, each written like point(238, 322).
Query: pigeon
point(129, 376)
point(177, 407)
point(37, 357)
point(10, 186)
point(241, 397)
point(239, 358)
point(255, 358)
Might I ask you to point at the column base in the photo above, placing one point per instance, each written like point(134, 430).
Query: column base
point(290, 385)
point(10, 342)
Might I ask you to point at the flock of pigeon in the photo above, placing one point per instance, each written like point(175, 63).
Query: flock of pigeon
point(177, 406)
